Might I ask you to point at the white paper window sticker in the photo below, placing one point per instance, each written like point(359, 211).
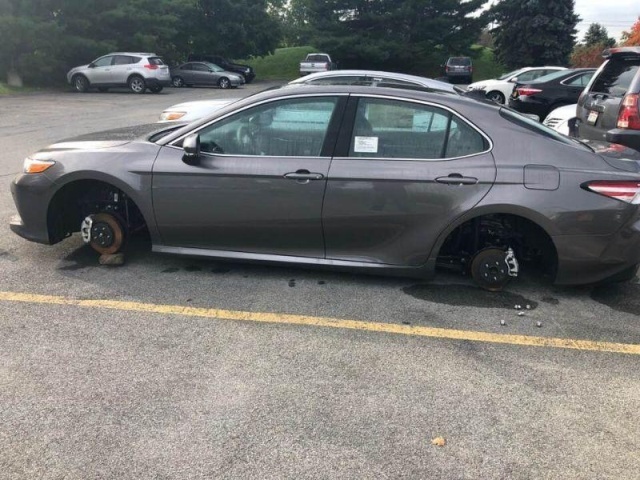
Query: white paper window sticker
point(366, 145)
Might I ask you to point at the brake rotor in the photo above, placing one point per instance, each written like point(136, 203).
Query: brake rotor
point(107, 235)
point(490, 270)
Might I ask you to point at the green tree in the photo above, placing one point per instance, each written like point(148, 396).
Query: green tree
point(534, 32)
point(413, 35)
point(598, 35)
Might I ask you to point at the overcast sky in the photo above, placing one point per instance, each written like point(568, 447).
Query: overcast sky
point(614, 15)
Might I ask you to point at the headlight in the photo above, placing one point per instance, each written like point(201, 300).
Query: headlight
point(171, 115)
point(31, 165)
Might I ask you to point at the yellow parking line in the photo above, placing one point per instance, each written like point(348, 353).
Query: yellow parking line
point(282, 318)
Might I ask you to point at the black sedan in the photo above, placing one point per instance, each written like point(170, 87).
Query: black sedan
point(541, 96)
point(359, 178)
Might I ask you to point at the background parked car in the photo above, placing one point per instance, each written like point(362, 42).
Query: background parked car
point(609, 107)
point(138, 71)
point(551, 91)
point(561, 118)
point(459, 68)
point(316, 62)
point(500, 89)
point(245, 70)
point(204, 73)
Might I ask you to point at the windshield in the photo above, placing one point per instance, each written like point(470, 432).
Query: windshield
point(551, 76)
point(214, 67)
point(510, 74)
point(532, 125)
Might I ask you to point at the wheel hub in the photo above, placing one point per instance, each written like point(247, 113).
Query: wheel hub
point(102, 234)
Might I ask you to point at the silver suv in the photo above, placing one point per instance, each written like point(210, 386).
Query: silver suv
point(137, 71)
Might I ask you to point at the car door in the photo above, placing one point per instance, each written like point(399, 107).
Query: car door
point(100, 71)
point(400, 175)
point(122, 68)
point(202, 74)
point(259, 184)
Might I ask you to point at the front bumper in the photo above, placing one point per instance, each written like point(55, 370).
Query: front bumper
point(31, 194)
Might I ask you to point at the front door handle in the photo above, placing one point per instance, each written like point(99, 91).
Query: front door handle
point(457, 179)
point(303, 176)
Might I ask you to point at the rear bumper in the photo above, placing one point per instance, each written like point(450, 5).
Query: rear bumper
point(628, 138)
point(157, 82)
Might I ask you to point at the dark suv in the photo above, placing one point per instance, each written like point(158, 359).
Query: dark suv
point(459, 68)
point(608, 109)
point(245, 70)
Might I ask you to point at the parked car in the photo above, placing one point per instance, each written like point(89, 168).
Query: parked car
point(359, 178)
point(316, 62)
point(501, 88)
point(204, 73)
point(609, 108)
point(562, 120)
point(245, 70)
point(551, 91)
point(190, 111)
point(137, 71)
point(459, 68)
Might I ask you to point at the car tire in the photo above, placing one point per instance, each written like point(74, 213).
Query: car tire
point(224, 83)
point(137, 84)
point(80, 83)
point(496, 96)
point(177, 82)
point(156, 89)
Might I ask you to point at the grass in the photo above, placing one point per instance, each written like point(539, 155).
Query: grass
point(7, 90)
point(282, 65)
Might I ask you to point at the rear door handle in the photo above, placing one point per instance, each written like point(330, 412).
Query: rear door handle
point(457, 179)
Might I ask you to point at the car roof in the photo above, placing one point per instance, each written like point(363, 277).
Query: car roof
point(146, 54)
point(428, 82)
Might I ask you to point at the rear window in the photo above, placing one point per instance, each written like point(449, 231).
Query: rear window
point(616, 77)
point(533, 126)
point(465, 61)
point(317, 58)
point(155, 61)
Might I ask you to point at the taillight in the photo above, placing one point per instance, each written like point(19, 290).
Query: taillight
point(629, 116)
point(326, 66)
point(151, 66)
point(624, 190)
point(446, 69)
point(528, 91)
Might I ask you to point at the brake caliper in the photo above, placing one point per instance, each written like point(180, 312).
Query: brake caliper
point(512, 263)
point(85, 229)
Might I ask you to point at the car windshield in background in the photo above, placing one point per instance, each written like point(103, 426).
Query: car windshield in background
point(550, 76)
point(617, 76)
point(537, 127)
point(507, 75)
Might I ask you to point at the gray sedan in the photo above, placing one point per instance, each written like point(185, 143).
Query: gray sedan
point(374, 179)
point(204, 73)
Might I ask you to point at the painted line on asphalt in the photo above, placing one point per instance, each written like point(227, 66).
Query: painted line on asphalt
point(288, 319)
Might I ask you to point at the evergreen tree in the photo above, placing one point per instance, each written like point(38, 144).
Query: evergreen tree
point(413, 35)
point(534, 32)
point(598, 35)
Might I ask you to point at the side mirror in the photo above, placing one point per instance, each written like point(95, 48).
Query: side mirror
point(191, 147)
point(514, 80)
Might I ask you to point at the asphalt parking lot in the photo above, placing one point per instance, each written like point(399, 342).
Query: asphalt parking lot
point(173, 367)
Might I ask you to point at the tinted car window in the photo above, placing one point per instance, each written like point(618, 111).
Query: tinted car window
point(317, 58)
point(103, 62)
point(395, 129)
point(285, 128)
point(616, 76)
point(581, 80)
point(123, 60)
point(200, 67)
point(464, 61)
point(155, 61)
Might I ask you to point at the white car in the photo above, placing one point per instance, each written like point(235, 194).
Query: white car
point(500, 89)
point(559, 118)
point(189, 111)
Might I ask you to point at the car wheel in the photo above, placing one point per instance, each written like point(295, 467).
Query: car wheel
point(224, 82)
point(80, 83)
point(137, 84)
point(156, 89)
point(177, 82)
point(496, 96)
point(490, 270)
point(103, 89)
point(107, 234)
